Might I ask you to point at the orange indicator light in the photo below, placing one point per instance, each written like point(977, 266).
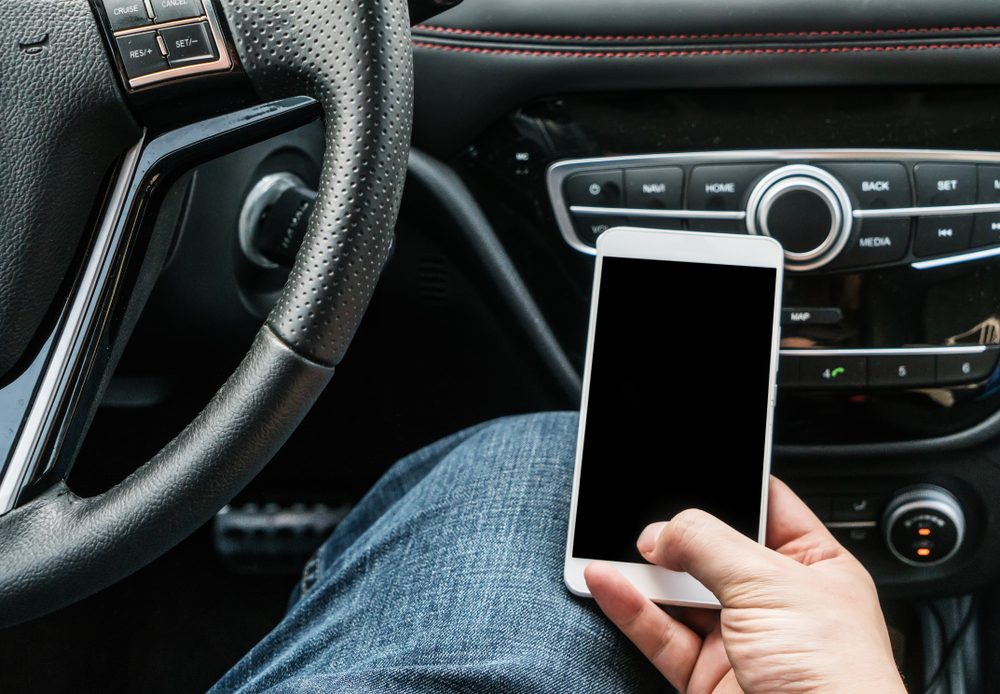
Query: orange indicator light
point(923, 552)
point(924, 532)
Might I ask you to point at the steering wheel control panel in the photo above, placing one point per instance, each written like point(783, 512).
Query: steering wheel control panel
point(832, 210)
point(159, 40)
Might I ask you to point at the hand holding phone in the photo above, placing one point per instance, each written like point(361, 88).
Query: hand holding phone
point(802, 612)
point(678, 397)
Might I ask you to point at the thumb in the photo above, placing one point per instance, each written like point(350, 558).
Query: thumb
point(724, 560)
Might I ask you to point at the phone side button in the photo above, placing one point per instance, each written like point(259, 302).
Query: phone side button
point(833, 372)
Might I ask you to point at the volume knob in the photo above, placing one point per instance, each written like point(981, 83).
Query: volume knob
point(924, 525)
point(804, 208)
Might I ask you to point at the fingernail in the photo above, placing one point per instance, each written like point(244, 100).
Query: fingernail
point(647, 540)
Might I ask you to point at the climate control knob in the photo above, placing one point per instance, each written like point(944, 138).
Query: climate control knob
point(804, 208)
point(924, 525)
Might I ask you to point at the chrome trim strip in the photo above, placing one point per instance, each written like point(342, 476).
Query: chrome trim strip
point(221, 63)
point(640, 212)
point(939, 211)
point(956, 259)
point(72, 332)
point(851, 524)
point(885, 352)
point(558, 172)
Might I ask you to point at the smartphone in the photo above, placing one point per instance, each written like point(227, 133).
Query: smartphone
point(678, 397)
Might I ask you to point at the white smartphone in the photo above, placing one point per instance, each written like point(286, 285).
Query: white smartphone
point(678, 397)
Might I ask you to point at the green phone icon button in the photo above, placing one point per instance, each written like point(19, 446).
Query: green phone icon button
point(832, 374)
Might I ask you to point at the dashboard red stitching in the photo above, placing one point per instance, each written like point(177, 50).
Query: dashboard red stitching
point(834, 33)
point(684, 53)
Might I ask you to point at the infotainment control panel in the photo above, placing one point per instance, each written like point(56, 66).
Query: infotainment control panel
point(882, 291)
point(832, 210)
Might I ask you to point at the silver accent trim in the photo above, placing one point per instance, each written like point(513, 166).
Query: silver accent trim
point(67, 350)
point(153, 26)
point(885, 352)
point(819, 181)
point(264, 194)
point(956, 259)
point(939, 211)
point(221, 63)
point(931, 497)
point(559, 171)
point(641, 212)
point(851, 524)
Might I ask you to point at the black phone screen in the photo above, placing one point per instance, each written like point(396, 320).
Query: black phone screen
point(677, 409)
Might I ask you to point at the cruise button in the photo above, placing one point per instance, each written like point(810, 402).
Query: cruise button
point(141, 54)
point(126, 14)
point(945, 184)
point(940, 235)
point(190, 43)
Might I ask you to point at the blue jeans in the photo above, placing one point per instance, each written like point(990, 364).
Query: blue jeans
point(447, 577)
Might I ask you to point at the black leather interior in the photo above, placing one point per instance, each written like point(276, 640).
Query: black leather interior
point(528, 47)
point(63, 124)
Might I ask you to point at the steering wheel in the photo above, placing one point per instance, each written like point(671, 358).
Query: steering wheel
point(79, 251)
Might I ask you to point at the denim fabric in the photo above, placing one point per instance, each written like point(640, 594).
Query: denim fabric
point(447, 577)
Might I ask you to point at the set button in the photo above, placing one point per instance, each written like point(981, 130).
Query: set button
point(945, 184)
point(189, 43)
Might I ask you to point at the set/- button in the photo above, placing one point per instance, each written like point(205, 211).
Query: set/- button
point(190, 43)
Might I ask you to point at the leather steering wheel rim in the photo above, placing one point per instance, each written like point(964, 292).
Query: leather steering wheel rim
point(353, 57)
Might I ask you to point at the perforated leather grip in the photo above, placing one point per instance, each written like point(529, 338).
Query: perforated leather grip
point(354, 57)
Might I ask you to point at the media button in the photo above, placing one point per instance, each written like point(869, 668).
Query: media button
point(657, 187)
point(874, 186)
point(877, 241)
point(833, 372)
point(945, 184)
point(595, 189)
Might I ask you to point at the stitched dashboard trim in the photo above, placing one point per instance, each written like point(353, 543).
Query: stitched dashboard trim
point(833, 33)
point(689, 53)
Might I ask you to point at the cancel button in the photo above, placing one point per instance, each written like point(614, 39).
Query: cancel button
point(878, 241)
